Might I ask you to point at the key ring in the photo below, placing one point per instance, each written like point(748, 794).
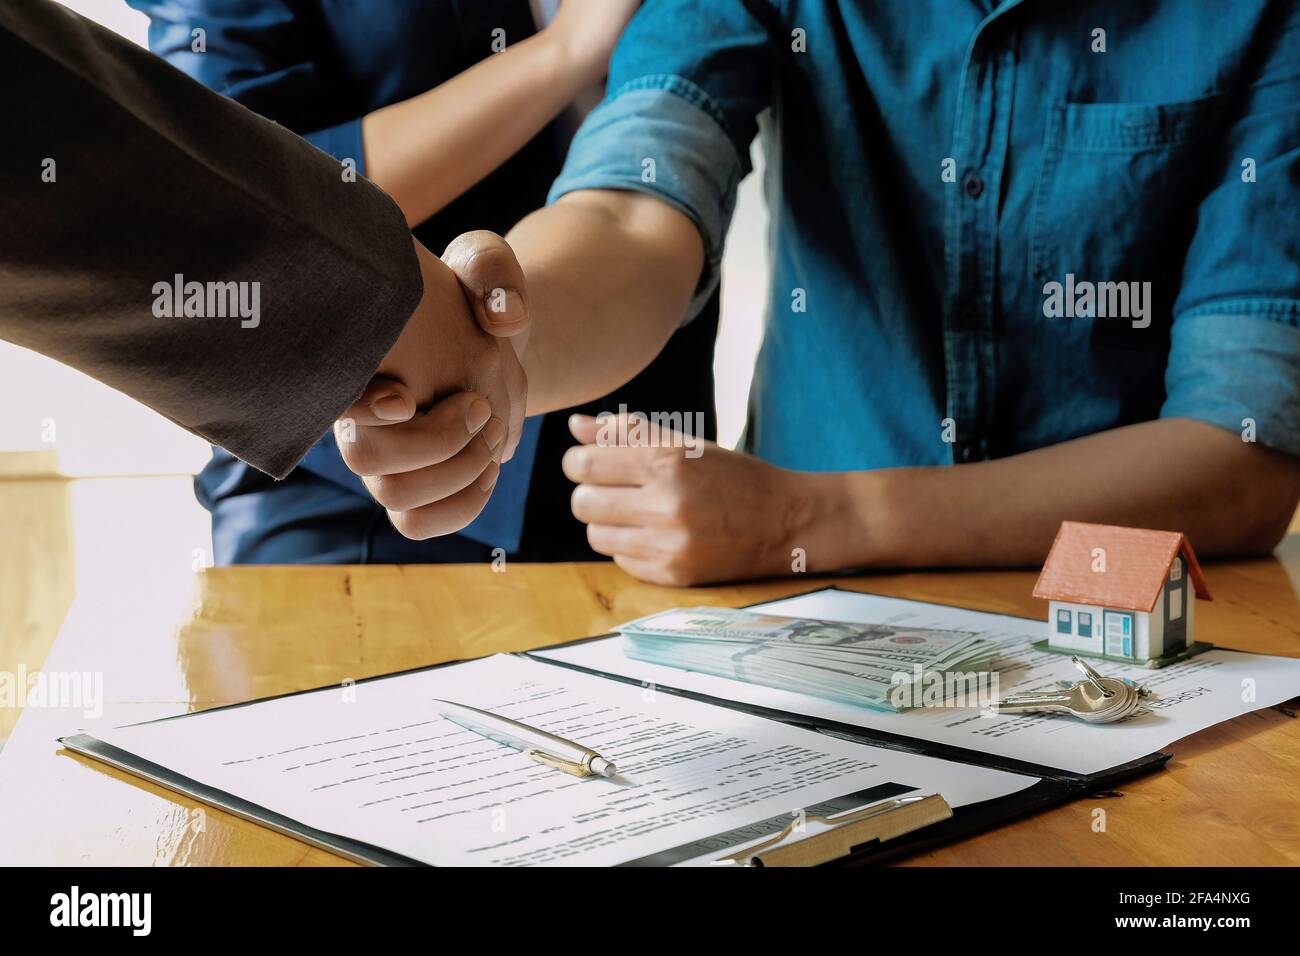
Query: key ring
point(1093, 677)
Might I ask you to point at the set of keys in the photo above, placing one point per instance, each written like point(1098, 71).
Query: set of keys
point(1096, 699)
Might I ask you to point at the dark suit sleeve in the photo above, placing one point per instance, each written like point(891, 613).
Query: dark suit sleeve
point(154, 176)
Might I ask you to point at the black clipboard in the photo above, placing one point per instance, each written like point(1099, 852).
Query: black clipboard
point(1055, 786)
point(878, 826)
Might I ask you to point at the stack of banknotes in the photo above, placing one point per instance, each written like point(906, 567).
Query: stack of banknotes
point(865, 664)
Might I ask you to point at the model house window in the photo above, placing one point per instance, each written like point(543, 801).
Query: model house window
point(1063, 622)
point(1175, 605)
point(1176, 569)
point(1085, 624)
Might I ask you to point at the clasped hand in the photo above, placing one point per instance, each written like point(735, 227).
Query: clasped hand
point(447, 404)
point(447, 407)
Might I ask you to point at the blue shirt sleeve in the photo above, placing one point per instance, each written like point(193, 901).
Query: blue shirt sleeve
point(260, 55)
point(342, 141)
point(1234, 357)
point(1240, 371)
point(686, 85)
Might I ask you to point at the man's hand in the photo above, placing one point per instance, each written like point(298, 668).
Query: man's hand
point(447, 404)
point(677, 520)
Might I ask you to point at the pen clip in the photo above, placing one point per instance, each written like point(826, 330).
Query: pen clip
point(559, 763)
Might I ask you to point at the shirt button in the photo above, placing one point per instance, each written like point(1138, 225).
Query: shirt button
point(973, 185)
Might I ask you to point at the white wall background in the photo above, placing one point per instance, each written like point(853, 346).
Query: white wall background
point(97, 431)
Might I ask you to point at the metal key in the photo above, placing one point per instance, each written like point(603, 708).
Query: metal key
point(1096, 699)
point(1082, 700)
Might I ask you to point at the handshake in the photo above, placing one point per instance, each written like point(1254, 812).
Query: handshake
point(447, 404)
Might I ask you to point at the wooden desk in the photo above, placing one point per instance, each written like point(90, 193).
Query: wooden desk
point(1229, 797)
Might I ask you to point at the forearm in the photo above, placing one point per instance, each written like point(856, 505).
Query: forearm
point(609, 278)
point(1228, 496)
point(430, 149)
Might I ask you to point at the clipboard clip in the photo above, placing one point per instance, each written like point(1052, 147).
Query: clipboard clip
point(879, 821)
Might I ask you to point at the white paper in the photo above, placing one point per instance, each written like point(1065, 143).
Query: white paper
point(1205, 690)
point(375, 762)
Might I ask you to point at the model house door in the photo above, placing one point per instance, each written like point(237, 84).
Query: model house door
point(1118, 627)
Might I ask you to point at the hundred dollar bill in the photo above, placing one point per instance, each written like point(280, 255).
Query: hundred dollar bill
point(859, 663)
point(808, 635)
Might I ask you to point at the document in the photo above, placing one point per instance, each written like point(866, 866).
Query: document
point(375, 762)
point(1205, 690)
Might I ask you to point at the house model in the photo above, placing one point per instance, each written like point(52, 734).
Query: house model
point(1121, 594)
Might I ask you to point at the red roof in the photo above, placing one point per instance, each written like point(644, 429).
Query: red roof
point(1136, 565)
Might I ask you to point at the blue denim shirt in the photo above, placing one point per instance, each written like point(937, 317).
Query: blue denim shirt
point(934, 166)
point(318, 68)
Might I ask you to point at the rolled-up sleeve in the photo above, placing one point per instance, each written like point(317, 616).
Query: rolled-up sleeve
point(1240, 372)
point(656, 140)
point(686, 86)
point(1234, 357)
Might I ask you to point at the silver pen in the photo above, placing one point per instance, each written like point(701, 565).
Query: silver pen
point(536, 744)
